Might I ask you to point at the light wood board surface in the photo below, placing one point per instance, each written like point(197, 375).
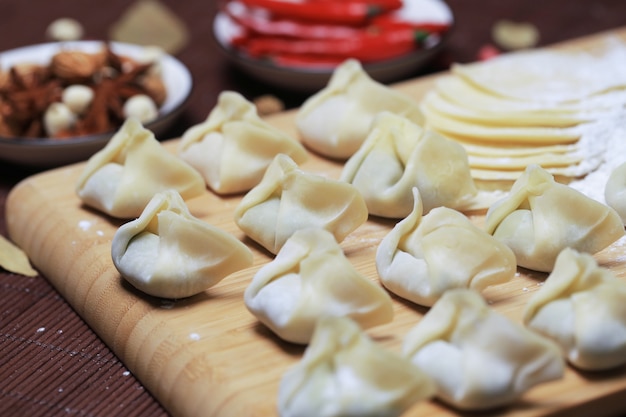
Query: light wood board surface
point(207, 355)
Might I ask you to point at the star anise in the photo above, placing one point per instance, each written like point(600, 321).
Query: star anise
point(117, 82)
point(25, 97)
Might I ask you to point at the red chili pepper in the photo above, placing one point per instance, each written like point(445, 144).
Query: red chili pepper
point(352, 12)
point(262, 25)
point(365, 47)
point(487, 52)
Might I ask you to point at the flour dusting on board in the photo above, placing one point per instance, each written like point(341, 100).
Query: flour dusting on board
point(610, 134)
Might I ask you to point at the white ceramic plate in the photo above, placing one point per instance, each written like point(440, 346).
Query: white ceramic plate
point(53, 152)
point(312, 80)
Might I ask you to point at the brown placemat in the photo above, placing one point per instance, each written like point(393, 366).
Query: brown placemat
point(51, 363)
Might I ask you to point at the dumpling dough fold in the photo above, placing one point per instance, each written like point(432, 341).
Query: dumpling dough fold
point(120, 179)
point(423, 257)
point(335, 121)
point(541, 217)
point(399, 155)
point(288, 199)
point(310, 278)
point(615, 190)
point(343, 373)
point(234, 146)
point(582, 307)
point(479, 358)
point(169, 253)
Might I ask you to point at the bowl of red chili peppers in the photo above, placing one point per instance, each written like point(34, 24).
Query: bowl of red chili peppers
point(297, 44)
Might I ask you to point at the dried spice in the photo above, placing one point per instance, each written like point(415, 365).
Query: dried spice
point(27, 92)
point(13, 259)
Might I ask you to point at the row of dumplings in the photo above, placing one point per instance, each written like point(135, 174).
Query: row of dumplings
point(434, 256)
point(462, 352)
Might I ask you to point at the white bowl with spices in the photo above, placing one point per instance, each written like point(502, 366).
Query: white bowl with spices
point(42, 150)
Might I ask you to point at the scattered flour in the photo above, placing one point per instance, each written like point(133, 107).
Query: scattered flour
point(609, 136)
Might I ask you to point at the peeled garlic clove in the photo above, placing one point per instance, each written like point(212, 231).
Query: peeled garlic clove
point(65, 29)
point(141, 107)
point(58, 117)
point(77, 97)
point(152, 55)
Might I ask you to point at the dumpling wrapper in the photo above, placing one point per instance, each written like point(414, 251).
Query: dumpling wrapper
point(519, 135)
point(399, 155)
point(463, 92)
point(122, 178)
point(335, 121)
point(169, 253)
point(310, 278)
point(615, 191)
point(479, 358)
point(582, 307)
point(438, 104)
point(540, 217)
point(423, 257)
point(548, 75)
point(344, 373)
point(288, 199)
point(234, 146)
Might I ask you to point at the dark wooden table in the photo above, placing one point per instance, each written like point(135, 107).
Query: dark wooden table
point(51, 363)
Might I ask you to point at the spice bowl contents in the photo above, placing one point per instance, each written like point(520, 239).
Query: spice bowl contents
point(60, 102)
point(298, 44)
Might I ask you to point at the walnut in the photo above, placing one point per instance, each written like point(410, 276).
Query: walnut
point(268, 104)
point(76, 65)
point(4, 79)
point(155, 87)
point(5, 128)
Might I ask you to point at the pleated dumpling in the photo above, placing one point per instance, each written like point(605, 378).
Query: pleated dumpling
point(234, 146)
point(615, 191)
point(288, 199)
point(344, 373)
point(335, 121)
point(169, 253)
point(479, 358)
point(540, 217)
point(399, 155)
point(122, 178)
point(310, 278)
point(582, 306)
point(423, 257)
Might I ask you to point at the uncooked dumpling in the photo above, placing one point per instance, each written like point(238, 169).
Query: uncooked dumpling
point(479, 358)
point(540, 217)
point(167, 252)
point(122, 178)
point(344, 373)
point(234, 146)
point(423, 257)
point(582, 307)
point(615, 190)
point(310, 278)
point(399, 155)
point(288, 199)
point(335, 121)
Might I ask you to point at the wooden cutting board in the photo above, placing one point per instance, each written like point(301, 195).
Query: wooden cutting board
point(207, 355)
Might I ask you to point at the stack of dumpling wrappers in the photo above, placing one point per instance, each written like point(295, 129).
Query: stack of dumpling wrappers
point(531, 107)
